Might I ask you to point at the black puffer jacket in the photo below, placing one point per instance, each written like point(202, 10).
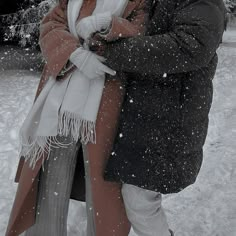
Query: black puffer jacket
point(164, 120)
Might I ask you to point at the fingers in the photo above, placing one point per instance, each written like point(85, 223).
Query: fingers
point(83, 31)
point(84, 34)
point(108, 70)
point(86, 27)
point(100, 58)
point(95, 41)
point(99, 73)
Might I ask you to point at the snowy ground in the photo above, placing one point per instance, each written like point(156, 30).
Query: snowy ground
point(207, 208)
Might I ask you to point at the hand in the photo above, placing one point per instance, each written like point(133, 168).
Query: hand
point(90, 64)
point(97, 45)
point(92, 24)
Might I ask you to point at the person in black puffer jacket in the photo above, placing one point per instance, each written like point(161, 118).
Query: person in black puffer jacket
point(164, 120)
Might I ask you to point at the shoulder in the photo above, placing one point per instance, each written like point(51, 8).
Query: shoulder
point(210, 12)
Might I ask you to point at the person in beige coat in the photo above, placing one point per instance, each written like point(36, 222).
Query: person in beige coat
point(108, 215)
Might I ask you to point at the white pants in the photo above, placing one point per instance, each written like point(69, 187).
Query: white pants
point(144, 211)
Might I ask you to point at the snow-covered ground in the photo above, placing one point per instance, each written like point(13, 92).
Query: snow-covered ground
point(208, 208)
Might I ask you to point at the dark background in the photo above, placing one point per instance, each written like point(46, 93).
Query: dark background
point(11, 6)
point(16, 29)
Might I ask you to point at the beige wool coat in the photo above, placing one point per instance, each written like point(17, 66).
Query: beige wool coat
point(57, 44)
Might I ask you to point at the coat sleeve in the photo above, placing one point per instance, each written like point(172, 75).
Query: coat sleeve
point(55, 40)
point(132, 26)
point(190, 44)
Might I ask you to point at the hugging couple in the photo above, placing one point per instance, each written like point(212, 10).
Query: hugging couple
point(120, 115)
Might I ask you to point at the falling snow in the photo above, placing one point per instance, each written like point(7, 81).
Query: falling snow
point(205, 209)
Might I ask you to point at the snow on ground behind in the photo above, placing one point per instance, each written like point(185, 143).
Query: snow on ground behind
point(207, 208)
point(17, 89)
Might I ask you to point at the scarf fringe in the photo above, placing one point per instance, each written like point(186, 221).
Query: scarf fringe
point(33, 151)
point(78, 128)
point(69, 125)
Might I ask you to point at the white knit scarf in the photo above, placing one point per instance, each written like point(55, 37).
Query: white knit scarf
point(67, 107)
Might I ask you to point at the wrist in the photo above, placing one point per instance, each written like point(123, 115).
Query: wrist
point(103, 21)
point(105, 32)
